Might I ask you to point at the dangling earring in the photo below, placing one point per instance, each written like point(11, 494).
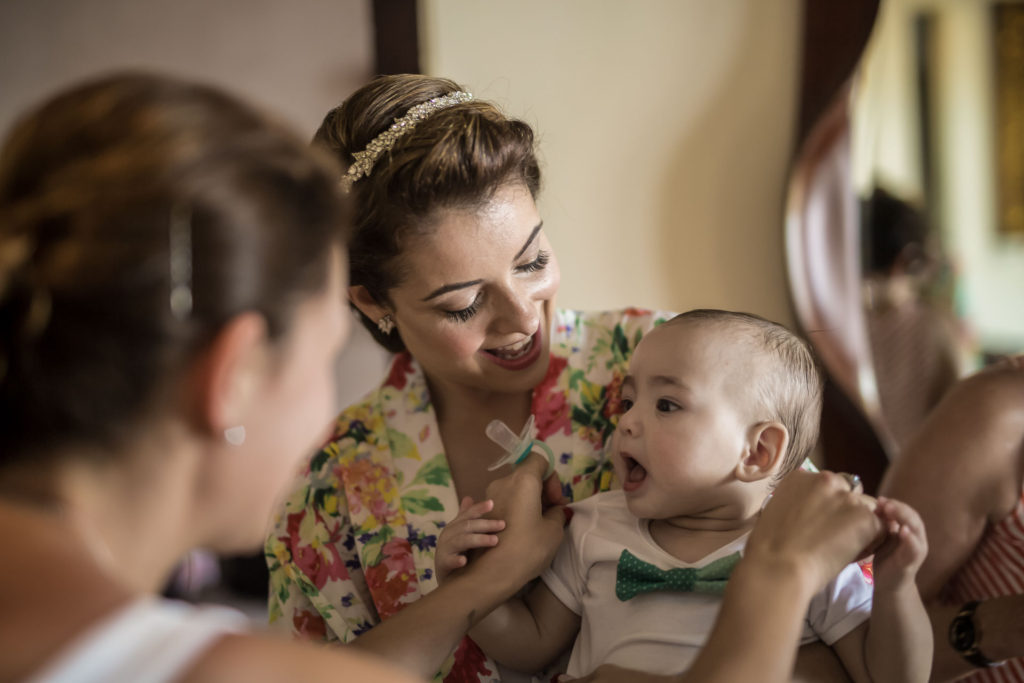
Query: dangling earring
point(235, 435)
point(386, 324)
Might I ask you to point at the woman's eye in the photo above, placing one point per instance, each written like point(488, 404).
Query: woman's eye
point(539, 263)
point(464, 314)
point(666, 406)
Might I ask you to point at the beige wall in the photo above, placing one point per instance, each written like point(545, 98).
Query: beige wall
point(666, 128)
point(296, 58)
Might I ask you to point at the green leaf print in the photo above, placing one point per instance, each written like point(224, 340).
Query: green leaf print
point(420, 501)
point(434, 472)
point(317, 463)
point(401, 445)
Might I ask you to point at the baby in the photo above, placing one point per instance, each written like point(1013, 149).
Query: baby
point(718, 406)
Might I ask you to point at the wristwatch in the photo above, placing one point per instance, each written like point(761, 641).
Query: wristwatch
point(964, 636)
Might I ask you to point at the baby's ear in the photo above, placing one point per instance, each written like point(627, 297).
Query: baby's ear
point(765, 451)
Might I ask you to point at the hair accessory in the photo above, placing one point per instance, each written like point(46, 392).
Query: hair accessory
point(181, 262)
point(517, 447)
point(235, 435)
point(365, 160)
point(386, 324)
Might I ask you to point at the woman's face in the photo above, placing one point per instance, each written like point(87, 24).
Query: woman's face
point(476, 299)
point(291, 415)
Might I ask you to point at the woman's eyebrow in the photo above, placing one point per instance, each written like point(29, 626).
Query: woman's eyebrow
point(462, 285)
point(533, 235)
point(450, 288)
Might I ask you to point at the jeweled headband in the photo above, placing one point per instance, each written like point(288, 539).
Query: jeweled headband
point(365, 160)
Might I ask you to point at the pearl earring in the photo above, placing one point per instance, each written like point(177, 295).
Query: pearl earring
point(235, 435)
point(386, 324)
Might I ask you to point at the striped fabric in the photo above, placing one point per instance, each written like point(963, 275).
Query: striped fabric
point(996, 568)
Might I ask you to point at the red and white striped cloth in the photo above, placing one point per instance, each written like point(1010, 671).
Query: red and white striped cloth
point(996, 568)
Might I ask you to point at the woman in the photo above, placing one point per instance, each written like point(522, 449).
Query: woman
point(451, 269)
point(964, 473)
point(171, 264)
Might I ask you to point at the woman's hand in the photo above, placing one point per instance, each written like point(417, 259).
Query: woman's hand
point(532, 533)
point(468, 531)
point(815, 524)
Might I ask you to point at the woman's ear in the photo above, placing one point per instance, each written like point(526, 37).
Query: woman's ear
point(231, 372)
point(364, 301)
point(766, 448)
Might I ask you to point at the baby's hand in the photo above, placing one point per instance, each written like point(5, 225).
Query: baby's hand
point(904, 549)
point(464, 533)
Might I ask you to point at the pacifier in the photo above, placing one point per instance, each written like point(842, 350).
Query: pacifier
point(517, 446)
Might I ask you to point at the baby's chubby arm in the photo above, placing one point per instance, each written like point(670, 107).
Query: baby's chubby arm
point(896, 644)
point(523, 633)
point(528, 633)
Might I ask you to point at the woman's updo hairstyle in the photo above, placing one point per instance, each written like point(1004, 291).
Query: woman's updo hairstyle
point(138, 215)
point(456, 158)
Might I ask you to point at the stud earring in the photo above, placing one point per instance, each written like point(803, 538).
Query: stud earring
point(386, 324)
point(235, 435)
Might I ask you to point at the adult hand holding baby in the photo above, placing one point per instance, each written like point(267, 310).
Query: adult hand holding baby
point(522, 512)
point(816, 524)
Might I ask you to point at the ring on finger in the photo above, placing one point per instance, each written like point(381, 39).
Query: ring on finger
point(851, 479)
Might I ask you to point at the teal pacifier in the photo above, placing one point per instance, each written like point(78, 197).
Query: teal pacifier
point(517, 446)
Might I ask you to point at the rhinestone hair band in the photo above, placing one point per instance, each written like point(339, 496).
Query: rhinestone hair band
point(365, 160)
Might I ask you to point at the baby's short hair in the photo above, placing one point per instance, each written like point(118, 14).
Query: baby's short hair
point(791, 389)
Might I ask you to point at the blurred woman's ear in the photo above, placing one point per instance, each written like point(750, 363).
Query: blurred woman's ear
point(230, 373)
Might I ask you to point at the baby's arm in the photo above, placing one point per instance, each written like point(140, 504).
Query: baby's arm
point(896, 644)
point(523, 633)
point(528, 633)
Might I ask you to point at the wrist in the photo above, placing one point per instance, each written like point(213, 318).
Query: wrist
point(479, 594)
point(966, 635)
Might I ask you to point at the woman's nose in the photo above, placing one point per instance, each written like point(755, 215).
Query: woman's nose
point(519, 312)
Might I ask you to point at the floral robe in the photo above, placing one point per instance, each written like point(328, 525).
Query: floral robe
point(355, 540)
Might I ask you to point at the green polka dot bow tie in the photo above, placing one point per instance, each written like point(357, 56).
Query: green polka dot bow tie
point(634, 576)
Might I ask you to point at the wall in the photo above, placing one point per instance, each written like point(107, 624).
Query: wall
point(666, 127)
point(297, 59)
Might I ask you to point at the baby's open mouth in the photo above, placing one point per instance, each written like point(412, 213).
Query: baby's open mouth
point(635, 472)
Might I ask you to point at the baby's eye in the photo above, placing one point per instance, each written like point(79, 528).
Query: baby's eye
point(666, 406)
point(625, 404)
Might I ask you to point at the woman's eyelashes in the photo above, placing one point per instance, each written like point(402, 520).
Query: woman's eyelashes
point(464, 314)
point(539, 263)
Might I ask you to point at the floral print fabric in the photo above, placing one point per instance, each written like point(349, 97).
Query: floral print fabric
point(355, 539)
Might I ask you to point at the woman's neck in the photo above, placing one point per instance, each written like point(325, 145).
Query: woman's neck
point(462, 417)
point(126, 515)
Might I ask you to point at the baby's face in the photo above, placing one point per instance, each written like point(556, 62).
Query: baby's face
point(685, 421)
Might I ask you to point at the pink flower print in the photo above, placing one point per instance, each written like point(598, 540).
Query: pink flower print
point(393, 578)
point(309, 624)
point(318, 560)
point(550, 408)
point(470, 663)
point(370, 486)
point(401, 368)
